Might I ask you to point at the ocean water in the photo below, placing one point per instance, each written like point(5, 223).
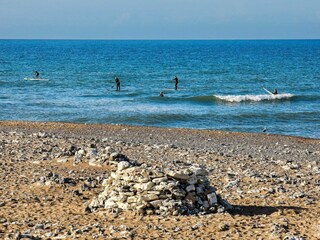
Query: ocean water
point(220, 83)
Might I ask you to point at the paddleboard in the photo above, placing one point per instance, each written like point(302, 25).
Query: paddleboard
point(172, 89)
point(36, 79)
point(268, 91)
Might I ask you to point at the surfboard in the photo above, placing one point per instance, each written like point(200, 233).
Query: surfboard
point(36, 79)
point(268, 91)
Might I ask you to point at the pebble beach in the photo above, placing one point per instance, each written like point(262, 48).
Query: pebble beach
point(272, 182)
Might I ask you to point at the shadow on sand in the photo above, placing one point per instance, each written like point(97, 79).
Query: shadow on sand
point(261, 210)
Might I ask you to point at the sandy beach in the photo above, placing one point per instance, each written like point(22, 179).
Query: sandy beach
point(271, 181)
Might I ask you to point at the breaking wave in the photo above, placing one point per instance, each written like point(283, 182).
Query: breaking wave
point(253, 98)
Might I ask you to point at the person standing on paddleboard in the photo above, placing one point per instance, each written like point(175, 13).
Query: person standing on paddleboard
point(117, 83)
point(275, 91)
point(37, 74)
point(175, 79)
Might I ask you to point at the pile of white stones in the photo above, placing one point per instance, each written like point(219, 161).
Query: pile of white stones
point(182, 190)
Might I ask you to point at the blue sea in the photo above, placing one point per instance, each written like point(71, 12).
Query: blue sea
point(220, 83)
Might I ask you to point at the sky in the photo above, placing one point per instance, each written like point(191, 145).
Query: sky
point(159, 19)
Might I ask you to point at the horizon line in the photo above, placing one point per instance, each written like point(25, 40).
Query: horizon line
point(164, 39)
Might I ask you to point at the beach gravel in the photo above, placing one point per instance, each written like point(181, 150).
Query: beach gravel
point(51, 172)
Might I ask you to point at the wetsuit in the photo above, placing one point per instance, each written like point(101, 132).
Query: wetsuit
point(117, 84)
point(176, 83)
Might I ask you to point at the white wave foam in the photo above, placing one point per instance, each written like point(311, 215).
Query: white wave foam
point(253, 98)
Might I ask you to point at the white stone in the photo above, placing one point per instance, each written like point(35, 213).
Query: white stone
point(131, 170)
point(132, 199)
point(114, 155)
point(93, 162)
point(105, 182)
point(156, 203)
point(149, 197)
point(120, 198)
point(200, 189)
point(286, 167)
point(192, 179)
point(109, 150)
point(178, 175)
point(114, 175)
point(190, 188)
point(178, 192)
point(143, 179)
point(128, 193)
point(199, 171)
point(200, 202)
point(159, 180)
point(81, 152)
point(212, 198)
point(147, 186)
point(206, 204)
point(142, 205)
point(128, 178)
point(123, 206)
point(62, 160)
point(95, 203)
point(110, 204)
point(123, 165)
point(159, 187)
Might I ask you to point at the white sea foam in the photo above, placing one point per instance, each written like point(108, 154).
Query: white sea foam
point(253, 98)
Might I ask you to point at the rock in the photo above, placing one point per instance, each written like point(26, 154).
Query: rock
point(178, 175)
point(178, 192)
point(39, 226)
point(147, 190)
point(190, 188)
point(231, 184)
point(212, 199)
point(110, 204)
point(91, 153)
point(199, 171)
point(293, 238)
point(223, 227)
point(149, 197)
point(144, 186)
point(62, 160)
point(123, 165)
point(108, 150)
point(299, 195)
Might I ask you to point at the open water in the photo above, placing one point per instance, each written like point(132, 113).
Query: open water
point(220, 83)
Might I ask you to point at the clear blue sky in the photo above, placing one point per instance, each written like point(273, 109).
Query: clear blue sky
point(159, 19)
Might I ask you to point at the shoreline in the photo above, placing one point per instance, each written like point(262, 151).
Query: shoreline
point(57, 126)
point(272, 181)
point(203, 140)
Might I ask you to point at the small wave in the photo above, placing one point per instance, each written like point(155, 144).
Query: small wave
point(203, 99)
point(4, 96)
point(253, 98)
point(92, 95)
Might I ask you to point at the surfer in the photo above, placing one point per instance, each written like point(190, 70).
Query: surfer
point(117, 83)
point(275, 91)
point(161, 94)
point(175, 79)
point(37, 74)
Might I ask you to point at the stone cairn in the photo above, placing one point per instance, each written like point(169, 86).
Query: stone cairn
point(180, 190)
